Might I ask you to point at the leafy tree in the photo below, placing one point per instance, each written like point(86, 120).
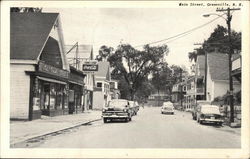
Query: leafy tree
point(218, 39)
point(134, 66)
point(104, 53)
point(25, 9)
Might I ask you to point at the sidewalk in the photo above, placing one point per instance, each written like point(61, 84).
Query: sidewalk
point(24, 130)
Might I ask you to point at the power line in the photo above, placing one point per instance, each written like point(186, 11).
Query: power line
point(182, 34)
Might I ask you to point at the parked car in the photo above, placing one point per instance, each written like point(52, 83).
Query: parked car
point(167, 108)
point(117, 109)
point(134, 106)
point(209, 114)
point(198, 104)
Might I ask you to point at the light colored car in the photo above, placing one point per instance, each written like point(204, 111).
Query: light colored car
point(134, 106)
point(167, 108)
point(198, 104)
point(117, 109)
point(209, 114)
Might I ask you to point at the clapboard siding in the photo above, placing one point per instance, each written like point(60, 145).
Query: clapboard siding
point(19, 91)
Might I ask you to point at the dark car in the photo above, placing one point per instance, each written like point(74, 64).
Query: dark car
point(209, 114)
point(117, 109)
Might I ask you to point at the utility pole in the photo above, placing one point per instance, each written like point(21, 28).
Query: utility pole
point(181, 85)
point(231, 99)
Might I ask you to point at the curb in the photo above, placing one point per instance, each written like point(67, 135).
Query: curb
point(12, 145)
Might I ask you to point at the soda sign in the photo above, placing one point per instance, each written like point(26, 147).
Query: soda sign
point(90, 67)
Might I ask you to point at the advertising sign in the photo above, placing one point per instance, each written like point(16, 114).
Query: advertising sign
point(90, 67)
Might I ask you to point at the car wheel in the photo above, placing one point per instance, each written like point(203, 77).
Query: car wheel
point(105, 120)
point(220, 124)
point(130, 119)
point(201, 122)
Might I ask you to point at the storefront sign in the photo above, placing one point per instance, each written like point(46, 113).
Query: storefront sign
point(90, 67)
point(52, 70)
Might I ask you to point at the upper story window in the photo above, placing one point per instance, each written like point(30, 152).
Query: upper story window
point(99, 84)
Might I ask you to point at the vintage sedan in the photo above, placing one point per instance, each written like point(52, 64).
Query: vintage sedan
point(167, 108)
point(117, 109)
point(209, 114)
point(198, 104)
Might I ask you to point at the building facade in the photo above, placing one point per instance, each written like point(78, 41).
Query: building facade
point(38, 66)
point(101, 94)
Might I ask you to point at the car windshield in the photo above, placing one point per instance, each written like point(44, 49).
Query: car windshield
point(117, 103)
point(210, 110)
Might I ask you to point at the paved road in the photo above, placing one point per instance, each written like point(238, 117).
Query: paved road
point(149, 129)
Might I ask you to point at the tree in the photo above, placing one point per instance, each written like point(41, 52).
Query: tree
point(104, 53)
point(162, 77)
point(134, 66)
point(218, 39)
point(25, 9)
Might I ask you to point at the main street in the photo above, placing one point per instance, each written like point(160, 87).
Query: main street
point(149, 129)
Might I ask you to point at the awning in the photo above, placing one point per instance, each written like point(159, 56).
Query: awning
point(76, 83)
point(50, 80)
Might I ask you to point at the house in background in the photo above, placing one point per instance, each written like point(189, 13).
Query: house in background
point(101, 94)
point(78, 55)
point(38, 66)
point(114, 91)
point(218, 76)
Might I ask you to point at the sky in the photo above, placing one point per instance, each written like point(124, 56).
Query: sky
point(139, 26)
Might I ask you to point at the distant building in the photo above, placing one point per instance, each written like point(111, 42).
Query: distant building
point(114, 91)
point(101, 94)
point(77, 56)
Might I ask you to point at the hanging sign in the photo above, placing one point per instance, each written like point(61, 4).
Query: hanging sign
point(90, 67)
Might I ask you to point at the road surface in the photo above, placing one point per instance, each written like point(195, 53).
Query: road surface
point(149, 129)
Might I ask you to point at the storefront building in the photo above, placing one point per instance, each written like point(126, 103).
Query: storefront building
point(76, 89)
point(39, 72)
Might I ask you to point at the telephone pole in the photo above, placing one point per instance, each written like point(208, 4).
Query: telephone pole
point(228, 20)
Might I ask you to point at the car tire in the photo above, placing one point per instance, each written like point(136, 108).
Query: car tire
point(105, 120)
point(201, 122)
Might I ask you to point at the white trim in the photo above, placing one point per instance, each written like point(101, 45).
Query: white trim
point(16, 61)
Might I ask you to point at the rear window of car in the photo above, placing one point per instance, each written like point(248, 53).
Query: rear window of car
point(117, 103)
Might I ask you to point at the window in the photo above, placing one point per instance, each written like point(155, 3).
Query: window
point(99, 84)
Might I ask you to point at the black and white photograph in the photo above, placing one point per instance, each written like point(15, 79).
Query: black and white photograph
point(116, 79)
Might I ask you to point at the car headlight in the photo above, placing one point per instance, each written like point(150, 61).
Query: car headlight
point(103, 110)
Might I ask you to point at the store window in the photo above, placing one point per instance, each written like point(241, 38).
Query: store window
point(59, 96)
point(46, 97)
point(36, 95)
point(52, 96)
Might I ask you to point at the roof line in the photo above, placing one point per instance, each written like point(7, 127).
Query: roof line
point(38, 57)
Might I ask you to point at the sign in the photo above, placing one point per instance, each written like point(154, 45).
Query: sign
point(36, 103)
point(42, 67)
point(90, 67)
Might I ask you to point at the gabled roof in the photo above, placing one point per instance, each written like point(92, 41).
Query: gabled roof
point(218, 66)
point(103, 70)
point(29, 33)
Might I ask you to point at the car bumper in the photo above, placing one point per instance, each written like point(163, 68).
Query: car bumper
point(163, 111)
point(115, 116)
point(212, 120)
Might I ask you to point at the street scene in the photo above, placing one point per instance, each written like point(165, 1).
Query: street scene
point(149, 129)
point(126, 77)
